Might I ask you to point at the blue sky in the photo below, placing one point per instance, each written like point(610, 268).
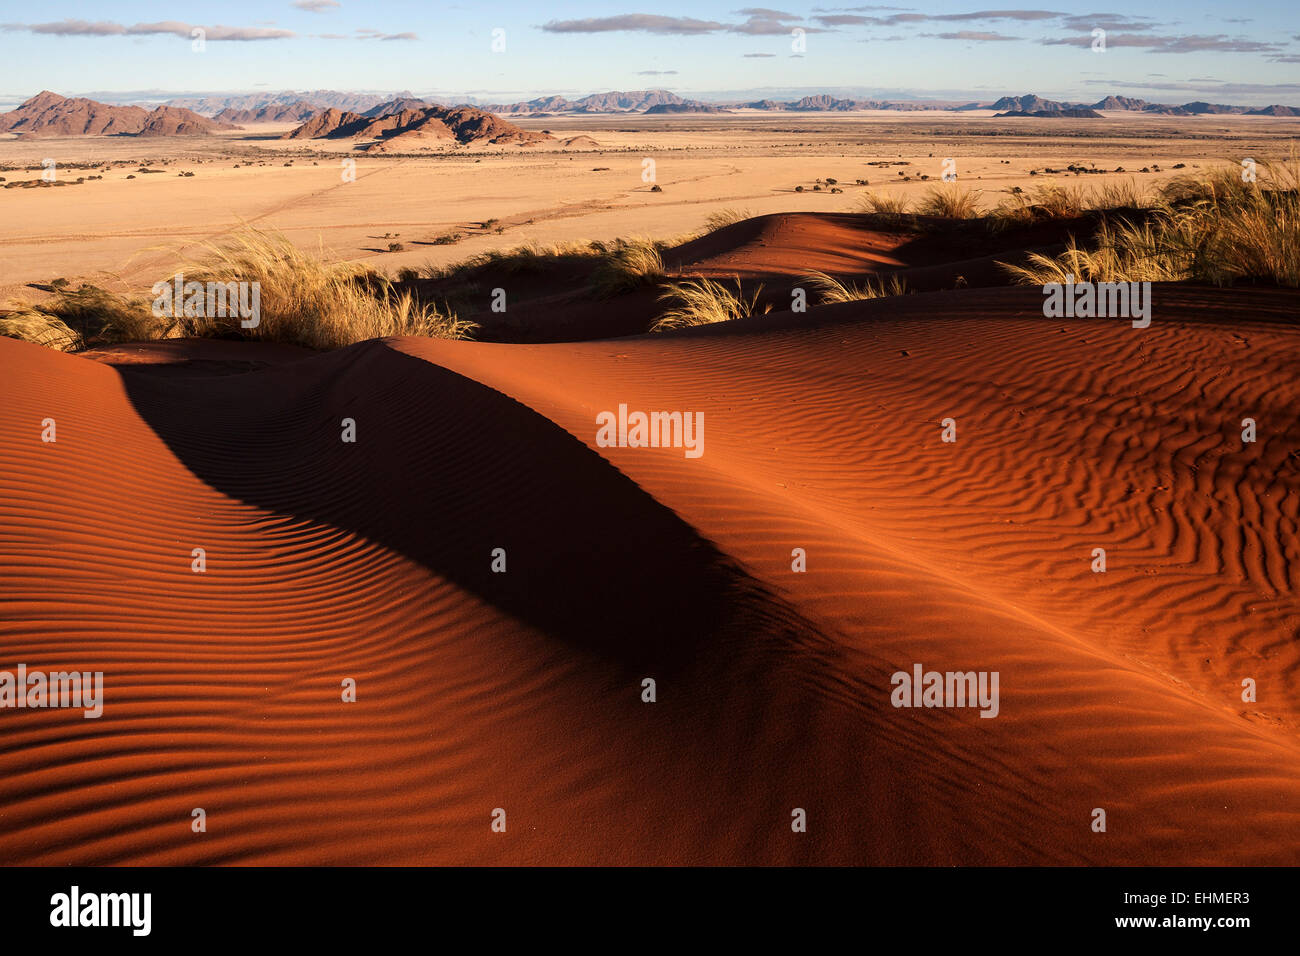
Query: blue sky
point(1194, 49)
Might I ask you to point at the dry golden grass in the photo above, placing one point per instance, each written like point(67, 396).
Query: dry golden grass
point(1215, 227)
point(77, 318)
point(40, 328)
point(1123, 252)
point(308, 301)
point(531, 257)
point(1017, 209)
point(725, 217)
point(704, 302)
point(304, 300)
point(949, 201)
point(1045, 202)
point(1128, 194)
point(1061, 202)
point(831, 290)
point(627, 265)
point(883, 204)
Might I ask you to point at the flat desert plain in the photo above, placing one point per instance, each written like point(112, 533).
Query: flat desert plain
point(636, 655)
point(135, 229)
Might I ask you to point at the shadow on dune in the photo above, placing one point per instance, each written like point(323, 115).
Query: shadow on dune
point(443, 471)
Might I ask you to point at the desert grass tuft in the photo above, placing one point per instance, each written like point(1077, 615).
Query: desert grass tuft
point(309, 301)
point(831, 290)
point(74, 319)
point(883, 204)
point(1127, 195)
point(1122, 252)
point(1060, 202)
point(704, 302)
point(725, 217)
point(1216, 227)
point(304, 300)
point(949, 201)
point(40, 328)
point(531, 257)
point(627, 265)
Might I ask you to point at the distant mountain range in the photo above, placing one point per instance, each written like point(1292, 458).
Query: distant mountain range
point(291, 106)
point(662, 101)
point(320, 99)
point(49, 114)
point(615, 101)
point(1029, 103)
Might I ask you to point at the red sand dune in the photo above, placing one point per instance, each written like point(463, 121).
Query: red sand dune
point(522, 690)
point(794, 244)
point(775, 251)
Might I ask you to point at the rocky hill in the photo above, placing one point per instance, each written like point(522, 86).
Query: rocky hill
point(689, 107)
point(420, 128)
point(49, 114)
point(1068, 113)
point(1119, 103)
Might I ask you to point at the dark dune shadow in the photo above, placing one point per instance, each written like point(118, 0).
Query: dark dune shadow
point(443, 471)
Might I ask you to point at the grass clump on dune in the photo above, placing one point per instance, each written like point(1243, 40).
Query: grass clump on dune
point(40, 328)
point(308, 301)
point(1060, 202)
point(725, 217)
point(949, 201)
point(704, 302)
point(302, 300)
point(627, 265)
point(75, 319)
point(1123, 252)
point(1216, 227)
point(1121, 195)
point(1051, 202)
point(531, 257)
point(831, 290)
point(882, 203)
